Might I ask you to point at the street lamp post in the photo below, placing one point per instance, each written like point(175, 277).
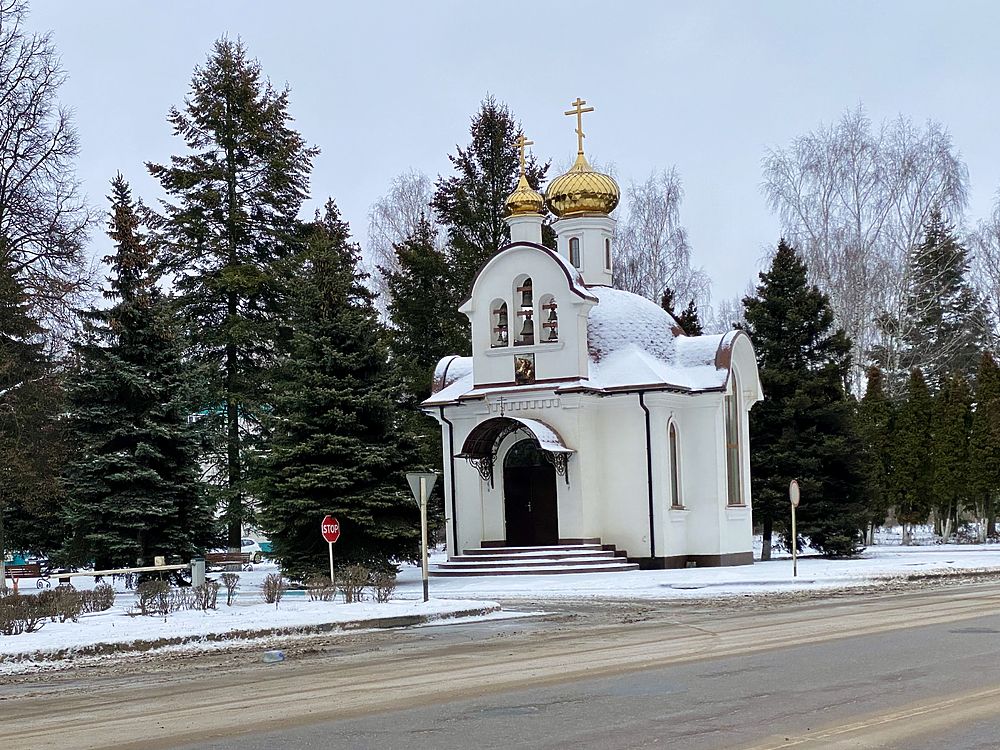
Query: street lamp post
point(421, 484)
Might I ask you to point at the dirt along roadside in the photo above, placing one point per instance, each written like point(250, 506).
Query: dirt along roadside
point(162, 703)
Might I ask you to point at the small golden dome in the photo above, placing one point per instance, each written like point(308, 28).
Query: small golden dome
point(524, 200)
point(582, 191)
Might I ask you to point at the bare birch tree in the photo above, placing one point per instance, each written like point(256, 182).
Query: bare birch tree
point(652, 245)
point(985, 246)
point(43, 217)
point(392, 219)
point(853, 200)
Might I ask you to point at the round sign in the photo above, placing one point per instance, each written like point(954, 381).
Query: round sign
point(793, 492)
point(330, 529)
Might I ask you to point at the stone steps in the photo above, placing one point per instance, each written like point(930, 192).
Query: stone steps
point(548, 560)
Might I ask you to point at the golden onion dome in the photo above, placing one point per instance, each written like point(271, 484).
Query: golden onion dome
point(524, 200)
point(582, 191)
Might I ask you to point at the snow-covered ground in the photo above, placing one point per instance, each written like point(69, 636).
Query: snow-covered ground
point(56, 644)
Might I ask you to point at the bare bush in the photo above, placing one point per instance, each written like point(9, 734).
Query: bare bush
point(206, 596)
point(321, 589)
point(232, 582)
point(352, 582)
point(273, 588)
point(100, 599)
point(153, 598)
point(383, 583)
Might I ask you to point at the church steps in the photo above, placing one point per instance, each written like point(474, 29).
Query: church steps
point(590, 557)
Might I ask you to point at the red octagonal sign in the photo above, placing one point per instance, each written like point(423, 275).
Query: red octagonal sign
point(330, 529)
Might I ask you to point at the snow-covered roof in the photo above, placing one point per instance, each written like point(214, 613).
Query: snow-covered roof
point(621, 319)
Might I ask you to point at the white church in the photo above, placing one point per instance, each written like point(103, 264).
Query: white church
point(585, 421)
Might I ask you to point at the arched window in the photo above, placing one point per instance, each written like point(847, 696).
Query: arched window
point(550, 319)
point(524, 301)
point(574, 251)
point(607, 254)
point(499, 324)
point(676, 501)
point(734, 474)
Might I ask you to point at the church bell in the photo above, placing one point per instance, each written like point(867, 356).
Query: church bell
point(526, 293)
point(527, 331)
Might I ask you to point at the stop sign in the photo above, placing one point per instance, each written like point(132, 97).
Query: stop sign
point(330, 529)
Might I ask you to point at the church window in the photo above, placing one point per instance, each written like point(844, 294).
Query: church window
point(607, 254)
point(525, 313)
point(498, 324)
point(675, 470)
point(550, 320)
point(574, 251)
point(734, 474)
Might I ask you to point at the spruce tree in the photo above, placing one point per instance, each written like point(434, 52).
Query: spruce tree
point(133, 481)
point(943, 325)
point(471, 203)
point(911, 484)
point(984, 444)
point(804, 429)
point(337, 446)
point(227, 231)
point(31, 436)
point(687, 319)
point(950, 433)
point(875, 418)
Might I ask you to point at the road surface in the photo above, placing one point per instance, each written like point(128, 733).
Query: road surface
point(913, 670)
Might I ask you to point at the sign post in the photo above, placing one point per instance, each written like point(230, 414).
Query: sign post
point(793, 496)
point(330, 528)
point(421, 484)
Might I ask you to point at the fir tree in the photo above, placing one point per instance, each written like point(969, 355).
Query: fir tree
point(471, 203)
point(804, 429)
point(228, 230)
point(133, 488)
point(911, 483)
point(337, 448)
point(943, 325)
point(984, 444)
point(31, 439)
point(687, 319)
point(875, 418)
point(950, 433)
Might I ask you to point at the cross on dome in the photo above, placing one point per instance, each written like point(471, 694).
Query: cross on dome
point(579, 111)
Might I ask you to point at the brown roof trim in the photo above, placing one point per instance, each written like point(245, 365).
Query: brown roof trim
point(575, 286)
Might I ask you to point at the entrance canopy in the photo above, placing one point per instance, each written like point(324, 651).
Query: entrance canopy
point(481, 446)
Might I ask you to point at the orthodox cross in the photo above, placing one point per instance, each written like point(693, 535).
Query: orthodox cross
point(523, 143)
point(502, 405)
point(580, 109)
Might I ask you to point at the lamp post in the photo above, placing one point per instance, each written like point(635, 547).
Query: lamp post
point(421, 484)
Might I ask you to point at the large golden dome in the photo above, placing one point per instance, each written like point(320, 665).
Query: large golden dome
point(582, 191)
point(524, 200)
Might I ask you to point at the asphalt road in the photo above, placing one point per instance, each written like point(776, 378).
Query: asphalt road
point(913, 671)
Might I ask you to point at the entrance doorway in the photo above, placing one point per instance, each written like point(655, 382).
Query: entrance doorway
point(529, 497)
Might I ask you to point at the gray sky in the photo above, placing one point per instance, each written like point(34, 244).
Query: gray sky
point(382, 87)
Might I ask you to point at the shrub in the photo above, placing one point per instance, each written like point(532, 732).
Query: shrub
point(274, 588)
point(153, 597)
point(353, 581)
point(232, 582)
point(321, 589)
point(13, 614)
point(206, 596)
point(100, 599)
point(383, 584)
point(67, 604)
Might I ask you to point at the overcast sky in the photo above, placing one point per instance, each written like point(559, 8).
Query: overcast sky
point(382, 87)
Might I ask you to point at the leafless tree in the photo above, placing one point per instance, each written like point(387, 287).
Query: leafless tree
point(853, 200)
point(652, 246)
point(393, 218)
point(985, 246)
point(43, 217)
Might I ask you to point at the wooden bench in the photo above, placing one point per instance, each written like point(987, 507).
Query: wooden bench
point(27, 570)
point(220, 560)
